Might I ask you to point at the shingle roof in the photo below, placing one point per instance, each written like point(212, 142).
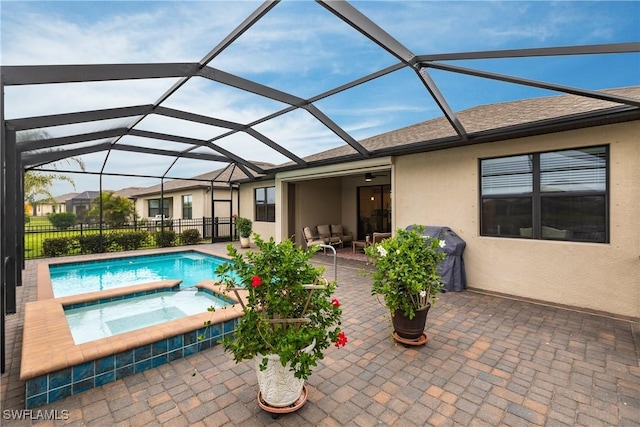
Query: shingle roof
point(483, 118)
point(221, 178)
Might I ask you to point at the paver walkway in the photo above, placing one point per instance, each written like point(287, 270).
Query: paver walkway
point(489, 361)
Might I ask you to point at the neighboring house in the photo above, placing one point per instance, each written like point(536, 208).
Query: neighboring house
point(80, 205)
point(46, 207)
point(193, 198)
point(551, 215)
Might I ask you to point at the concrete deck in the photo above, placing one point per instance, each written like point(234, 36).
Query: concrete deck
point(489, 361)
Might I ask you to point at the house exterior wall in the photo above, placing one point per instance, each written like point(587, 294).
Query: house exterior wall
point(44, 209)
point(317, 202)
point(594, 276)
point(201, 199)
point(266, 230)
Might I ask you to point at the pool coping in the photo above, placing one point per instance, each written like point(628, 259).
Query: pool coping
point(48, 345)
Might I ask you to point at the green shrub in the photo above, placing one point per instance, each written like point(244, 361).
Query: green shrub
point(166, 238)
point(58, 246)
point(94, 243)
point(243, 225)
point(190, 237)
point(130, 241)
point(62, 220)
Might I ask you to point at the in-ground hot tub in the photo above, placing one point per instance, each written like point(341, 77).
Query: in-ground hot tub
point(93, 320)
point(54, 366)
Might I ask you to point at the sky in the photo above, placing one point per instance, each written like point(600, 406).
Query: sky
point(302, 49)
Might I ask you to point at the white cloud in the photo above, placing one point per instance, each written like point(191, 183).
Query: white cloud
point(298, 47)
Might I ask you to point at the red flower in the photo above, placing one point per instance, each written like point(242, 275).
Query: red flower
point(341, 341)
point(256, 281)
point(335, 302)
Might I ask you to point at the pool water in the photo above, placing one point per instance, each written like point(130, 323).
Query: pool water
point(105, 319)
point(90, 276)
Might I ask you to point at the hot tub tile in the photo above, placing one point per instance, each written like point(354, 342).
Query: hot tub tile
point(159, 347)
point(37, 385)
point(82, 371)
point(104, 364)
point(60, 378)
point(175, 342)
point(83, 385)
point(124, 358)
point(105, 378)
point(190, 349)
point(190, 338)
point(37, 400)
point(59, 393)
point(142, 353)
point(142, 365)
point(159, 360)
point(175, 355)
point(124, 372)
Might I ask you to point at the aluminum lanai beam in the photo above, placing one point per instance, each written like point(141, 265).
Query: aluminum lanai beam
point(197, 142)
point(38, 144)
point(80, 117)
point(442, 103)
point(536, 83)
point(594, 49)
point(197, 118)
point(369, 29)
point(171, 153)
point(31, 160)
point(16, 75)
point(262, 10)
point(373, 32)
point(257, 135)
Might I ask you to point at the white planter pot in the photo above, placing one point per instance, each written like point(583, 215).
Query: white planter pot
point(244, 242)
point(278, 386)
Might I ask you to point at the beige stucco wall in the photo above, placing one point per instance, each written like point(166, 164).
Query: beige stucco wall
point(317, 202)
point(266, 230)
point(441, 188)
point(201, 199)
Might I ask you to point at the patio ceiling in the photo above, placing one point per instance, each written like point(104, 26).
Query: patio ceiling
point(179, 126)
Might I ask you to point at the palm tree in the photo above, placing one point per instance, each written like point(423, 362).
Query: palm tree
point(37, 185)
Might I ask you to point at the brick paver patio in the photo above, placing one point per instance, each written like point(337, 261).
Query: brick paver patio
point(489, 361)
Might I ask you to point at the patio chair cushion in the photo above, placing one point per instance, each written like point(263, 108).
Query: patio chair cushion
point(338, 231)
point(379, 237)
point(324, 231)
point(311, 237)
point(309, 234)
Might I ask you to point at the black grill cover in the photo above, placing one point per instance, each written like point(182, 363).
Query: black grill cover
point(452, 267)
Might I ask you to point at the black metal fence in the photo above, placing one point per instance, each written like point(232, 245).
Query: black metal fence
point(218, 229)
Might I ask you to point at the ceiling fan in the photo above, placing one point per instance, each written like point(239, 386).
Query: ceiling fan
point(368, 177)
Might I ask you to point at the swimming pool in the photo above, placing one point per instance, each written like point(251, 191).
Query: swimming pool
point(100, 319)
point(98, 275)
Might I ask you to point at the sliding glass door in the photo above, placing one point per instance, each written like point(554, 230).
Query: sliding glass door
point(374, 210)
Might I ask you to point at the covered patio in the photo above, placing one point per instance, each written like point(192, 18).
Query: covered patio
point(489, 360)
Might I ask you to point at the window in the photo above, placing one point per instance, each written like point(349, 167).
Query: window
point(265, 198)
point(187, 207)
point(558, 195)
point(154, 207)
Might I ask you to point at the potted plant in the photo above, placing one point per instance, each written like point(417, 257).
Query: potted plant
point(406, 277)
point(243, 225)
point(289, 317)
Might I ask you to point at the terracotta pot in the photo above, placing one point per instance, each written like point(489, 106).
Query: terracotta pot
point(410, 329)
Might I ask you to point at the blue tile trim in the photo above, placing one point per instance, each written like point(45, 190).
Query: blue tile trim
point(57, 385)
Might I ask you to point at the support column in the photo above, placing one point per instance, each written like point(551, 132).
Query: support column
point(10, 225)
